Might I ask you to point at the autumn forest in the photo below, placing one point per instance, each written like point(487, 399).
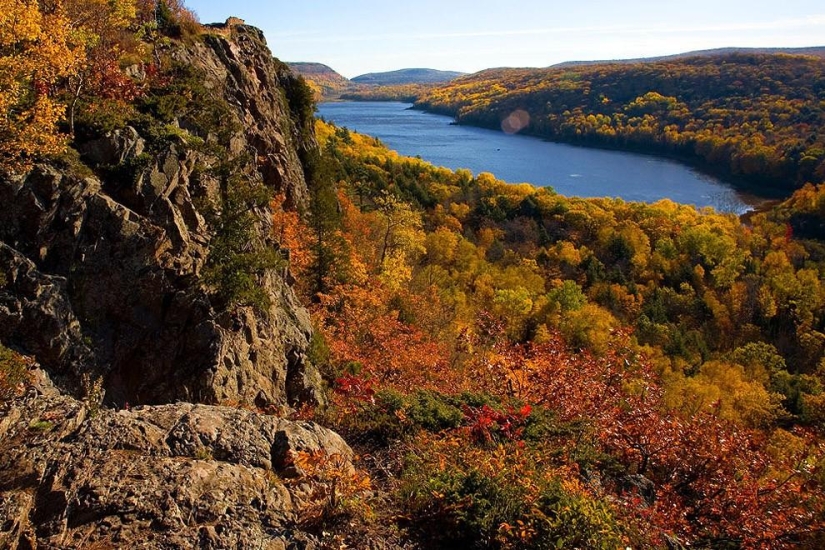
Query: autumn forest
point(514, 368)
point(751, 115)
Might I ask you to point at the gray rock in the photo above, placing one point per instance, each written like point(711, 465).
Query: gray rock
point(114, 148)
point(640, 485)
point(101, 281)
point(170, 476)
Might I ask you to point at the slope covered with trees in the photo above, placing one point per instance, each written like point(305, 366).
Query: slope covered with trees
point(581, 372)
point(815, 51)
point(406, 76)
point(325, 82)
point(744, 115)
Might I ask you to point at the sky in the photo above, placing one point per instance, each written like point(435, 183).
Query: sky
point(361, 36)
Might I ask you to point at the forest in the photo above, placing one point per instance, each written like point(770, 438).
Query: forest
point(514, 368)
point(750, 116)
point(563, 371)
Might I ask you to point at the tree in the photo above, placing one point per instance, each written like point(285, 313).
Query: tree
point(402, 239)
point(100, 27)
point(324, 220)
point(37, 50)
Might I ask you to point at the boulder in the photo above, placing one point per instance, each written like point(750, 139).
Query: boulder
point(168, 476)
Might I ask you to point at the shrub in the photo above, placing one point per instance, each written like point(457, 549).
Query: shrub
point(504, 501)
point(14, 372)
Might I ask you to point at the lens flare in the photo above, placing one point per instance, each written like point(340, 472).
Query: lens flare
point(516, 122)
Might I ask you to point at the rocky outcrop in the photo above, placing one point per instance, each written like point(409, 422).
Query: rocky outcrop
point(170, 476)
point(261, 90)
point(121, 441)
point(103, 273)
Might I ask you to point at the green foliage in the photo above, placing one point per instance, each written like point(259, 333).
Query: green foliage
point(238, 259)
point(431, 411)
point(469, 508)
point(93, 392)
point(568, 520)
point(393, 415)
point(301, 99)
point(470, 505)
point(71, 161)
point(41, 425)
point(99, 116)
point(182, 97)
point(318, 352)
point(323, 216)
point(174, 20)
point(543, 424)
point(568, 296)
point(795, 388)
point(204, 453)
point(164, 16)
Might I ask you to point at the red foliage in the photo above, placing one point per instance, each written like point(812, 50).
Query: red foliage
point(714, 480)
point(486, 424)
point(355, 388)
point(109, 81)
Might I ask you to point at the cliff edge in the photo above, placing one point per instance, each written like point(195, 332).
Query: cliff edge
point(116, 273)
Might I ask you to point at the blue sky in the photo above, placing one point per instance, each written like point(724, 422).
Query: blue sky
point(360, 36)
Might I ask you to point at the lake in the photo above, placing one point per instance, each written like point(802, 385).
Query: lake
point(569, 169)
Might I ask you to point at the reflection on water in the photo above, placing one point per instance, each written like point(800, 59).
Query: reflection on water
point(570, 170)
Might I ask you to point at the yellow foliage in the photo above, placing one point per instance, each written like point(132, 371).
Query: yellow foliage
point(36, 50)
point(723, 389)
point(589, 328)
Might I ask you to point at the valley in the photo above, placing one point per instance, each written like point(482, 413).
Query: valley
point(228, 322)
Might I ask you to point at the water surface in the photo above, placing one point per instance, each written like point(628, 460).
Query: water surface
point(570, 170)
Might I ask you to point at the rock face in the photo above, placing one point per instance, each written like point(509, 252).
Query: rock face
point(169, 476)
point(103, 274)
point(104, 280)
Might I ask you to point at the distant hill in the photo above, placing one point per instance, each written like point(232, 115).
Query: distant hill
point(816, 51)
point(323, 79)
point(407, 76)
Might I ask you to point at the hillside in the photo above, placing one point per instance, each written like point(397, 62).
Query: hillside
point(815, 51)
point(628, 369)
point(402, 85)
point(406, 76)
point(323, 79)
point(752, 117)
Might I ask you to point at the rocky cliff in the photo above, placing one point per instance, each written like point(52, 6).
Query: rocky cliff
point(142, 274)
point(104, 269)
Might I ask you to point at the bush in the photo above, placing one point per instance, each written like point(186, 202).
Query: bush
point(99, 116)
point(464, 506)
point(432, 411)
point(176, 21)
point(569, 519)
point(463, 509)
point(390, 415)
point(14, 372)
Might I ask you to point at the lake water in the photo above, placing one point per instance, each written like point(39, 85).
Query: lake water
point(570, 170)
